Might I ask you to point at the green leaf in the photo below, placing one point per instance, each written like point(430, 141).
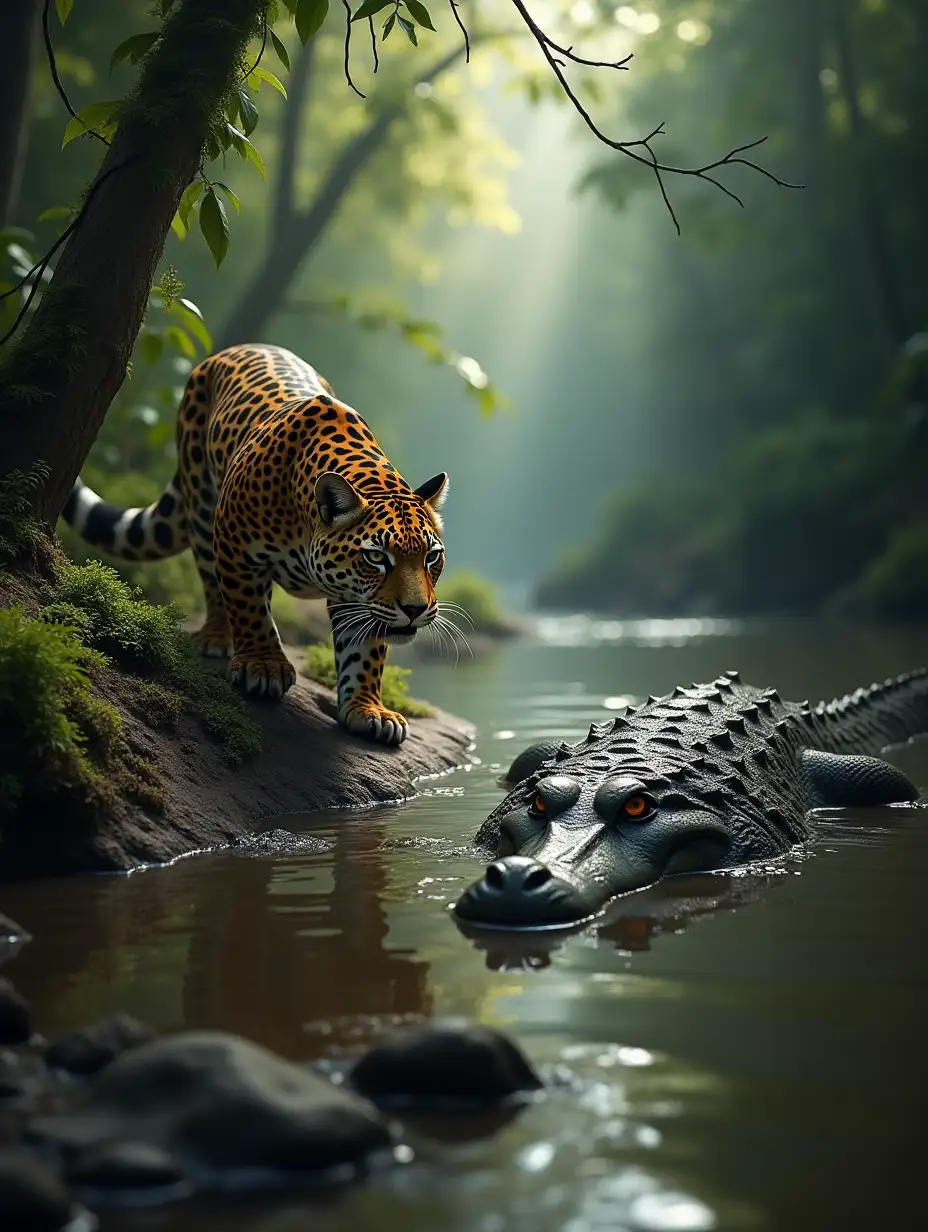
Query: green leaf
point(259, 74)
point(282, 54)
point(178, 227)
point(409, 30)
point(418, 10)
point(55, 212)
point(188, 201)
point(180, 337)
point(388, 26)
point(233, 200)
point(215, 226)
point(165, 5)
point(134, 48)
point(192, 317)
point(369, 8)
point(63, 9)
point(151, 344)
point(248, 111)
point(95, 117)
point(310, 14)
point(245, 149)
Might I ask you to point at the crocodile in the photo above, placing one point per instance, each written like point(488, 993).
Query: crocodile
point(711, 777)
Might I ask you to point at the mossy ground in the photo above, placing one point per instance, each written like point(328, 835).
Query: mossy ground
point(69, 634)
point(319, 665)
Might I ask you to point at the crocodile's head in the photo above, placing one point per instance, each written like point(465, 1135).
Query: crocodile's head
point(568, 843)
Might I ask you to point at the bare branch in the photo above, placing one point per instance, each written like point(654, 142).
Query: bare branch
point(640, 149)
point(463, 29)
point(348, 49)
point(53, 66)
point(370, 22)
point(262, 50)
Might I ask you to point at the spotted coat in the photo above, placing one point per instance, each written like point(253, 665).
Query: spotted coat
point(280, 482)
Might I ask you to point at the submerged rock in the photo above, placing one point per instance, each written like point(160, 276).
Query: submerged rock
point(90, 1049)
point(32, 1197)
point(212, 1106)
point(12, 936)
point(15, 1025)
point(125, 1165)
point(448, 1061)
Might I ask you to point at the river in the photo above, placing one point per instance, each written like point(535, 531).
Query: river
point(743, 1053)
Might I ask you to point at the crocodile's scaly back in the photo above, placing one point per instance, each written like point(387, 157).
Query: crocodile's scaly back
point(732, 747)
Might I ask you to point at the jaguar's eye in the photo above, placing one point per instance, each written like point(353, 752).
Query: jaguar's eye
point(538, 808)
point(374, 556)
point(432, 557)
point(639, 808)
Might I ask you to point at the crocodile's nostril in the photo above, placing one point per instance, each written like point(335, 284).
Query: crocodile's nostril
point(537, 878)
point(496, 877)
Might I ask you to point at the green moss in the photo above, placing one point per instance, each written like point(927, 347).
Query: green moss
point(319, 665)
point(147, 640)
point(49, 715)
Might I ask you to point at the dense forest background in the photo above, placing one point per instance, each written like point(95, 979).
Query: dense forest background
point(729, 420)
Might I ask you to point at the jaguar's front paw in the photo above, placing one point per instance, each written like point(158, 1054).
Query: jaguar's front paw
point(270, 676)
point(373, 722)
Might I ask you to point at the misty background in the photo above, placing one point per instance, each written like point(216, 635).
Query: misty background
point(726, 421)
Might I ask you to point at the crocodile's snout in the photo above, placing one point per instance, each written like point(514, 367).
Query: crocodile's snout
point(519, 892)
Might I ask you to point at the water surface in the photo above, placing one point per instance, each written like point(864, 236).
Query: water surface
point(746, 1052)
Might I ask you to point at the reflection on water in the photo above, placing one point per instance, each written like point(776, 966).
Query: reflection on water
point(737, 1049)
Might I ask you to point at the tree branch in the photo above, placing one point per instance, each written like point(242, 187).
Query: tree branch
point(640, 149)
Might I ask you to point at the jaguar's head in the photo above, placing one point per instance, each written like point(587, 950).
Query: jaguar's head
point(379, 557)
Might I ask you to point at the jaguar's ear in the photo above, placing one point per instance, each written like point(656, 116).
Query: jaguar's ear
point(435, 492)
point(339, 505)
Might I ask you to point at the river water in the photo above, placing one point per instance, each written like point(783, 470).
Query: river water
point(743, 1052)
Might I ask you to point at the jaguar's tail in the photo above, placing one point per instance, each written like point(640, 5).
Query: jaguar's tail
point(132, 534)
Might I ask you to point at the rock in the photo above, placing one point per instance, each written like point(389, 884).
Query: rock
point(32, 1197)
point(15, 1027)
point(213, 1104)
point(88, 1050)
point(125, 1165)
point(22, 1075)
point(12, 936)
point(441, 1062)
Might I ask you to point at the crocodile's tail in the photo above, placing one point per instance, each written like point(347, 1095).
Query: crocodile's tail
point(870, 720)
point(133, 534)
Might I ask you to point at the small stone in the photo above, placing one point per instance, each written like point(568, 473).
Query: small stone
point(92, 1048)
point(22, 1074)
point(32, 1197)
point(125, 1165)
point(15, 1027)
point(444, 1061)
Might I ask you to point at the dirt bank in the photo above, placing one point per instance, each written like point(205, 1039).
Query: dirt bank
point(307, 763)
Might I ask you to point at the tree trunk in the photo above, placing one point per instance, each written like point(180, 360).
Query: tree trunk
point(56, 386)
point(20, 23)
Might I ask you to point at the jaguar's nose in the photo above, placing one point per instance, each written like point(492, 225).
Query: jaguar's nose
point(412, 611)
point(518, 892)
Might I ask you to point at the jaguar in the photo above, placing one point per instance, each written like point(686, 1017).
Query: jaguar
point(280, 482)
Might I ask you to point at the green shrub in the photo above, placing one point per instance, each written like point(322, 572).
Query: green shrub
point(19, 533)
point(895, 584)
point(319, 665)
point(477, 596)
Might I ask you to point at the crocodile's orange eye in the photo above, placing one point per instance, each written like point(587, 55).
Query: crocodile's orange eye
point(538, 805)
point(637, 806)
